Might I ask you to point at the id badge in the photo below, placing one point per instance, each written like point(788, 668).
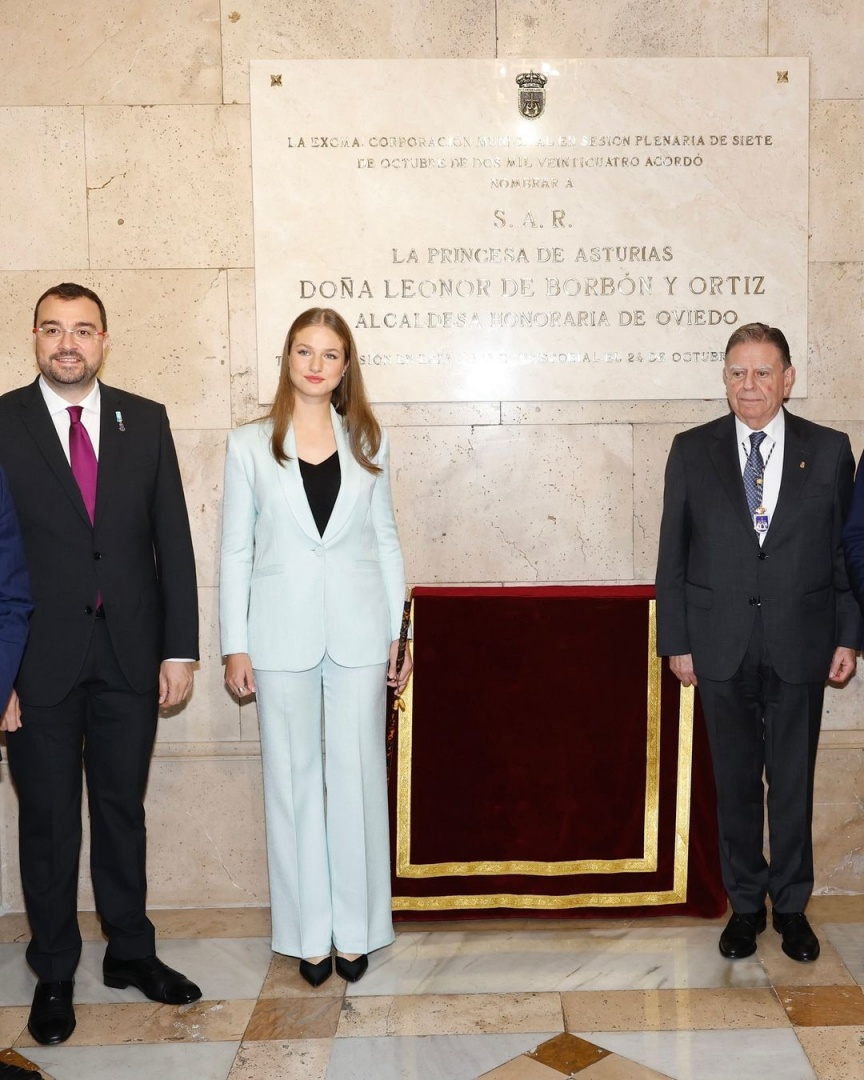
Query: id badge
point(760, 522)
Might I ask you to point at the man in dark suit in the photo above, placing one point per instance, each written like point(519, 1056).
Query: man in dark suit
point(113, 635)
point(754, 607)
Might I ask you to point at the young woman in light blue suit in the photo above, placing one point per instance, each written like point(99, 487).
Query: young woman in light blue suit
point(312, 589)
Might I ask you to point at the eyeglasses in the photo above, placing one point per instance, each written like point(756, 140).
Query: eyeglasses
point(80, 333)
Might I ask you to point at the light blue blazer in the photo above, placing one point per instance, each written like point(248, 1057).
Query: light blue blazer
point(288, 594)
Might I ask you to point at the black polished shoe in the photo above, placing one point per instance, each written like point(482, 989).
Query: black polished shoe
point(8, 1071)
point(738, 940)
point(154, 979)
point(799, 941)
point(52, 1017)
point(352, 970)
point(316, 974)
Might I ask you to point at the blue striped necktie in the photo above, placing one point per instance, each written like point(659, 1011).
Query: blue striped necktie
point(753, 472)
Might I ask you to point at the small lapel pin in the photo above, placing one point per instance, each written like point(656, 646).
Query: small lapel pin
point(118, 416)
point(802, 465)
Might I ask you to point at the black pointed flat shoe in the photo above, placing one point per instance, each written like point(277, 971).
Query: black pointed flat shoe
point(316, 974)
point(352, 970)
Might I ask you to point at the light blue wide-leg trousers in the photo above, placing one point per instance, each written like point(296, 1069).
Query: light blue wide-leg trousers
point(328, 846)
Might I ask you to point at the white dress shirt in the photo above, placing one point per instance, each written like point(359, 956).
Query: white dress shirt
point(91, 417)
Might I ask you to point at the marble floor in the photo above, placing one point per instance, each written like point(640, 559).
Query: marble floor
point(506, 1000)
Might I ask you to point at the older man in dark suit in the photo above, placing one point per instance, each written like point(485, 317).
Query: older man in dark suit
point(113, 635)
point(754, 606)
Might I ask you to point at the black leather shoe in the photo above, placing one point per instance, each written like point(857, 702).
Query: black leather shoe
point(52, 1017)
point(352, 970)
point(799, 941)
point(8, 1071)
point(154, 979)
point(316, 974)
point(739, 938)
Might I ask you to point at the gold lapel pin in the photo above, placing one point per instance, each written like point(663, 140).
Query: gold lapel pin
point(802, 465)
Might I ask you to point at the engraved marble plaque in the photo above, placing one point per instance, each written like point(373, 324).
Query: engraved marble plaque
point(528, 230)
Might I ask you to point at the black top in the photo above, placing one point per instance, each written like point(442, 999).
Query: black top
point(322, 486)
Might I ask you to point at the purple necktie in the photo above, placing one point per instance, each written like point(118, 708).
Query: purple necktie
point(82, 459)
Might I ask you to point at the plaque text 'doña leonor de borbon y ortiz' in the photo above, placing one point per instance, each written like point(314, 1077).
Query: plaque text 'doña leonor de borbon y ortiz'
point(532, 229)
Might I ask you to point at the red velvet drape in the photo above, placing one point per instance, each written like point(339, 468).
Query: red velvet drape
point(529, 729)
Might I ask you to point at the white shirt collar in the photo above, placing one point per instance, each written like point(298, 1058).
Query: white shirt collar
point(57, 404)
point(774, 430)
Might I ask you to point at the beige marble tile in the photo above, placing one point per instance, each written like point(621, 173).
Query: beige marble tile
point(823, 1006)
point(838, 820)
point(43, 213)
point(110, 52)
point(169, 186)
point(13, 925)
point(195, 856)
point(211, 715)
point(568, 1053)
point(11, 897)
point(829, 32)
point(13, 1022)
point(212, 922)
point(671, 1010)
point(181, 923)
point(202, 456)
point(619, 1068)
point(449, 1014)
point(205, 822)
point(683, 411)
point(147, 1022)
point(836, 167)
point(249, 720)
point(628, 28)
point(20, 291)
point(828, 970)
point(294, 1018)
point(284, 981)
point(179, 319)
point(837, 412)
point(651, 443)
point(836, 1053)
point(169, 336)
point(379, 29)
point(843, 710)
point(836, 343)
point(836, 909)
point(522, 1068)
point(243, 348)
point(439, 413)
point(297, 1059)
point(575, 492)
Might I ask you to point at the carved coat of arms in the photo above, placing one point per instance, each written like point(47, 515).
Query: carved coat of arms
point(532, 95)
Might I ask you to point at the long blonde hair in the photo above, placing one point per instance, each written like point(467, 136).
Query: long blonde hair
point(349, 398)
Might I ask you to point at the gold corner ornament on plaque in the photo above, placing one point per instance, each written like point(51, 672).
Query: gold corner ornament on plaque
point(532, 95)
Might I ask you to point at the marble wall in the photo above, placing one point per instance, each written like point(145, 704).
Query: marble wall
point(125, 125)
